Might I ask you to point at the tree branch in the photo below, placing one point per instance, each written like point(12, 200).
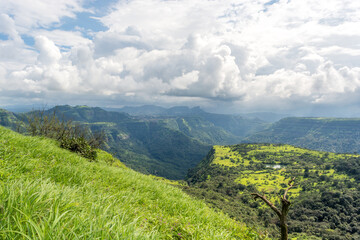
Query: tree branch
point(272, 206)
point(291, 184)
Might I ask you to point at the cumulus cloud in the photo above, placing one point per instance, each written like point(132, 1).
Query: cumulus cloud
point(285, 54)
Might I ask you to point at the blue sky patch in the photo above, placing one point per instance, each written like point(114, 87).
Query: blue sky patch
point(83, 21)
point(101, 7)
point(28, 40)
point(272, 2)
point(4, 37)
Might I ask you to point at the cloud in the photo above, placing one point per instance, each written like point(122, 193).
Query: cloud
point(7, 26)
point(49, 53)
point(63, 39)
point(229, 53)
point(37, 13)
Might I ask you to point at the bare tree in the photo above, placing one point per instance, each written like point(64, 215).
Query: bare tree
point(285, 205)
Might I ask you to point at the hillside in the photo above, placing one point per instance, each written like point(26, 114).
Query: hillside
point(325, 201)
point(323, 134)
point(50, 193)
point(9, 119)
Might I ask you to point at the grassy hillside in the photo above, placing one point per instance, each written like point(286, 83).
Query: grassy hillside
point(323, 134)
point(50, 193)
point(325, 200)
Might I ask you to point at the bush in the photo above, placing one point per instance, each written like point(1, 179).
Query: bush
point(79, 145)
point(76, 138)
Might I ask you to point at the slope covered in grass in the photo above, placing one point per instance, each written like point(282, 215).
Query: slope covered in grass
point(49, 193)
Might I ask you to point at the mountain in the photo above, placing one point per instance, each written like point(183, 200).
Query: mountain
point(211, 128)
point(325, 199)
point(266, 116)
point(50, 193)
point(341, 135)
point(139, 111)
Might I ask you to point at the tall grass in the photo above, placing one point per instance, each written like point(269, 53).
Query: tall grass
point(50, 193)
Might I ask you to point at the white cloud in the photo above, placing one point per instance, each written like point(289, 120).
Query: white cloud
point(7, 26)
point(29, 14)
point(245, 52)
point(49, 52)
point(63, 39)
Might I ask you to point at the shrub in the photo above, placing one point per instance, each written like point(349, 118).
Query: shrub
point(79, 145)
point(76, 138)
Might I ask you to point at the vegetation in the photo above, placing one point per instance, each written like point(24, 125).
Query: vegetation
point(325, 200)
point(50, 193)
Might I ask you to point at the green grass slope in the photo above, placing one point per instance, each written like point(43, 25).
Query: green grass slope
point(339, 135)
point(325, 199)
point(50, 193)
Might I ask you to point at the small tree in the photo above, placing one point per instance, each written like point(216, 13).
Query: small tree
point(285, 205)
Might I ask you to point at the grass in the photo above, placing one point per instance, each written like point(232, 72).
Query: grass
point(226, 157)
point(50, 193)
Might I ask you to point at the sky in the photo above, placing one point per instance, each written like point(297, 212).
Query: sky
point(286, 56)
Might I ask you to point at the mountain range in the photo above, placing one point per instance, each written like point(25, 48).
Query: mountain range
point(341, 135)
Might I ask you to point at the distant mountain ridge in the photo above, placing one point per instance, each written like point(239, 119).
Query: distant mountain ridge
point(156, 110)
point(266, 116)
point(211, 128)
point(142, 110)
point(341, 135)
